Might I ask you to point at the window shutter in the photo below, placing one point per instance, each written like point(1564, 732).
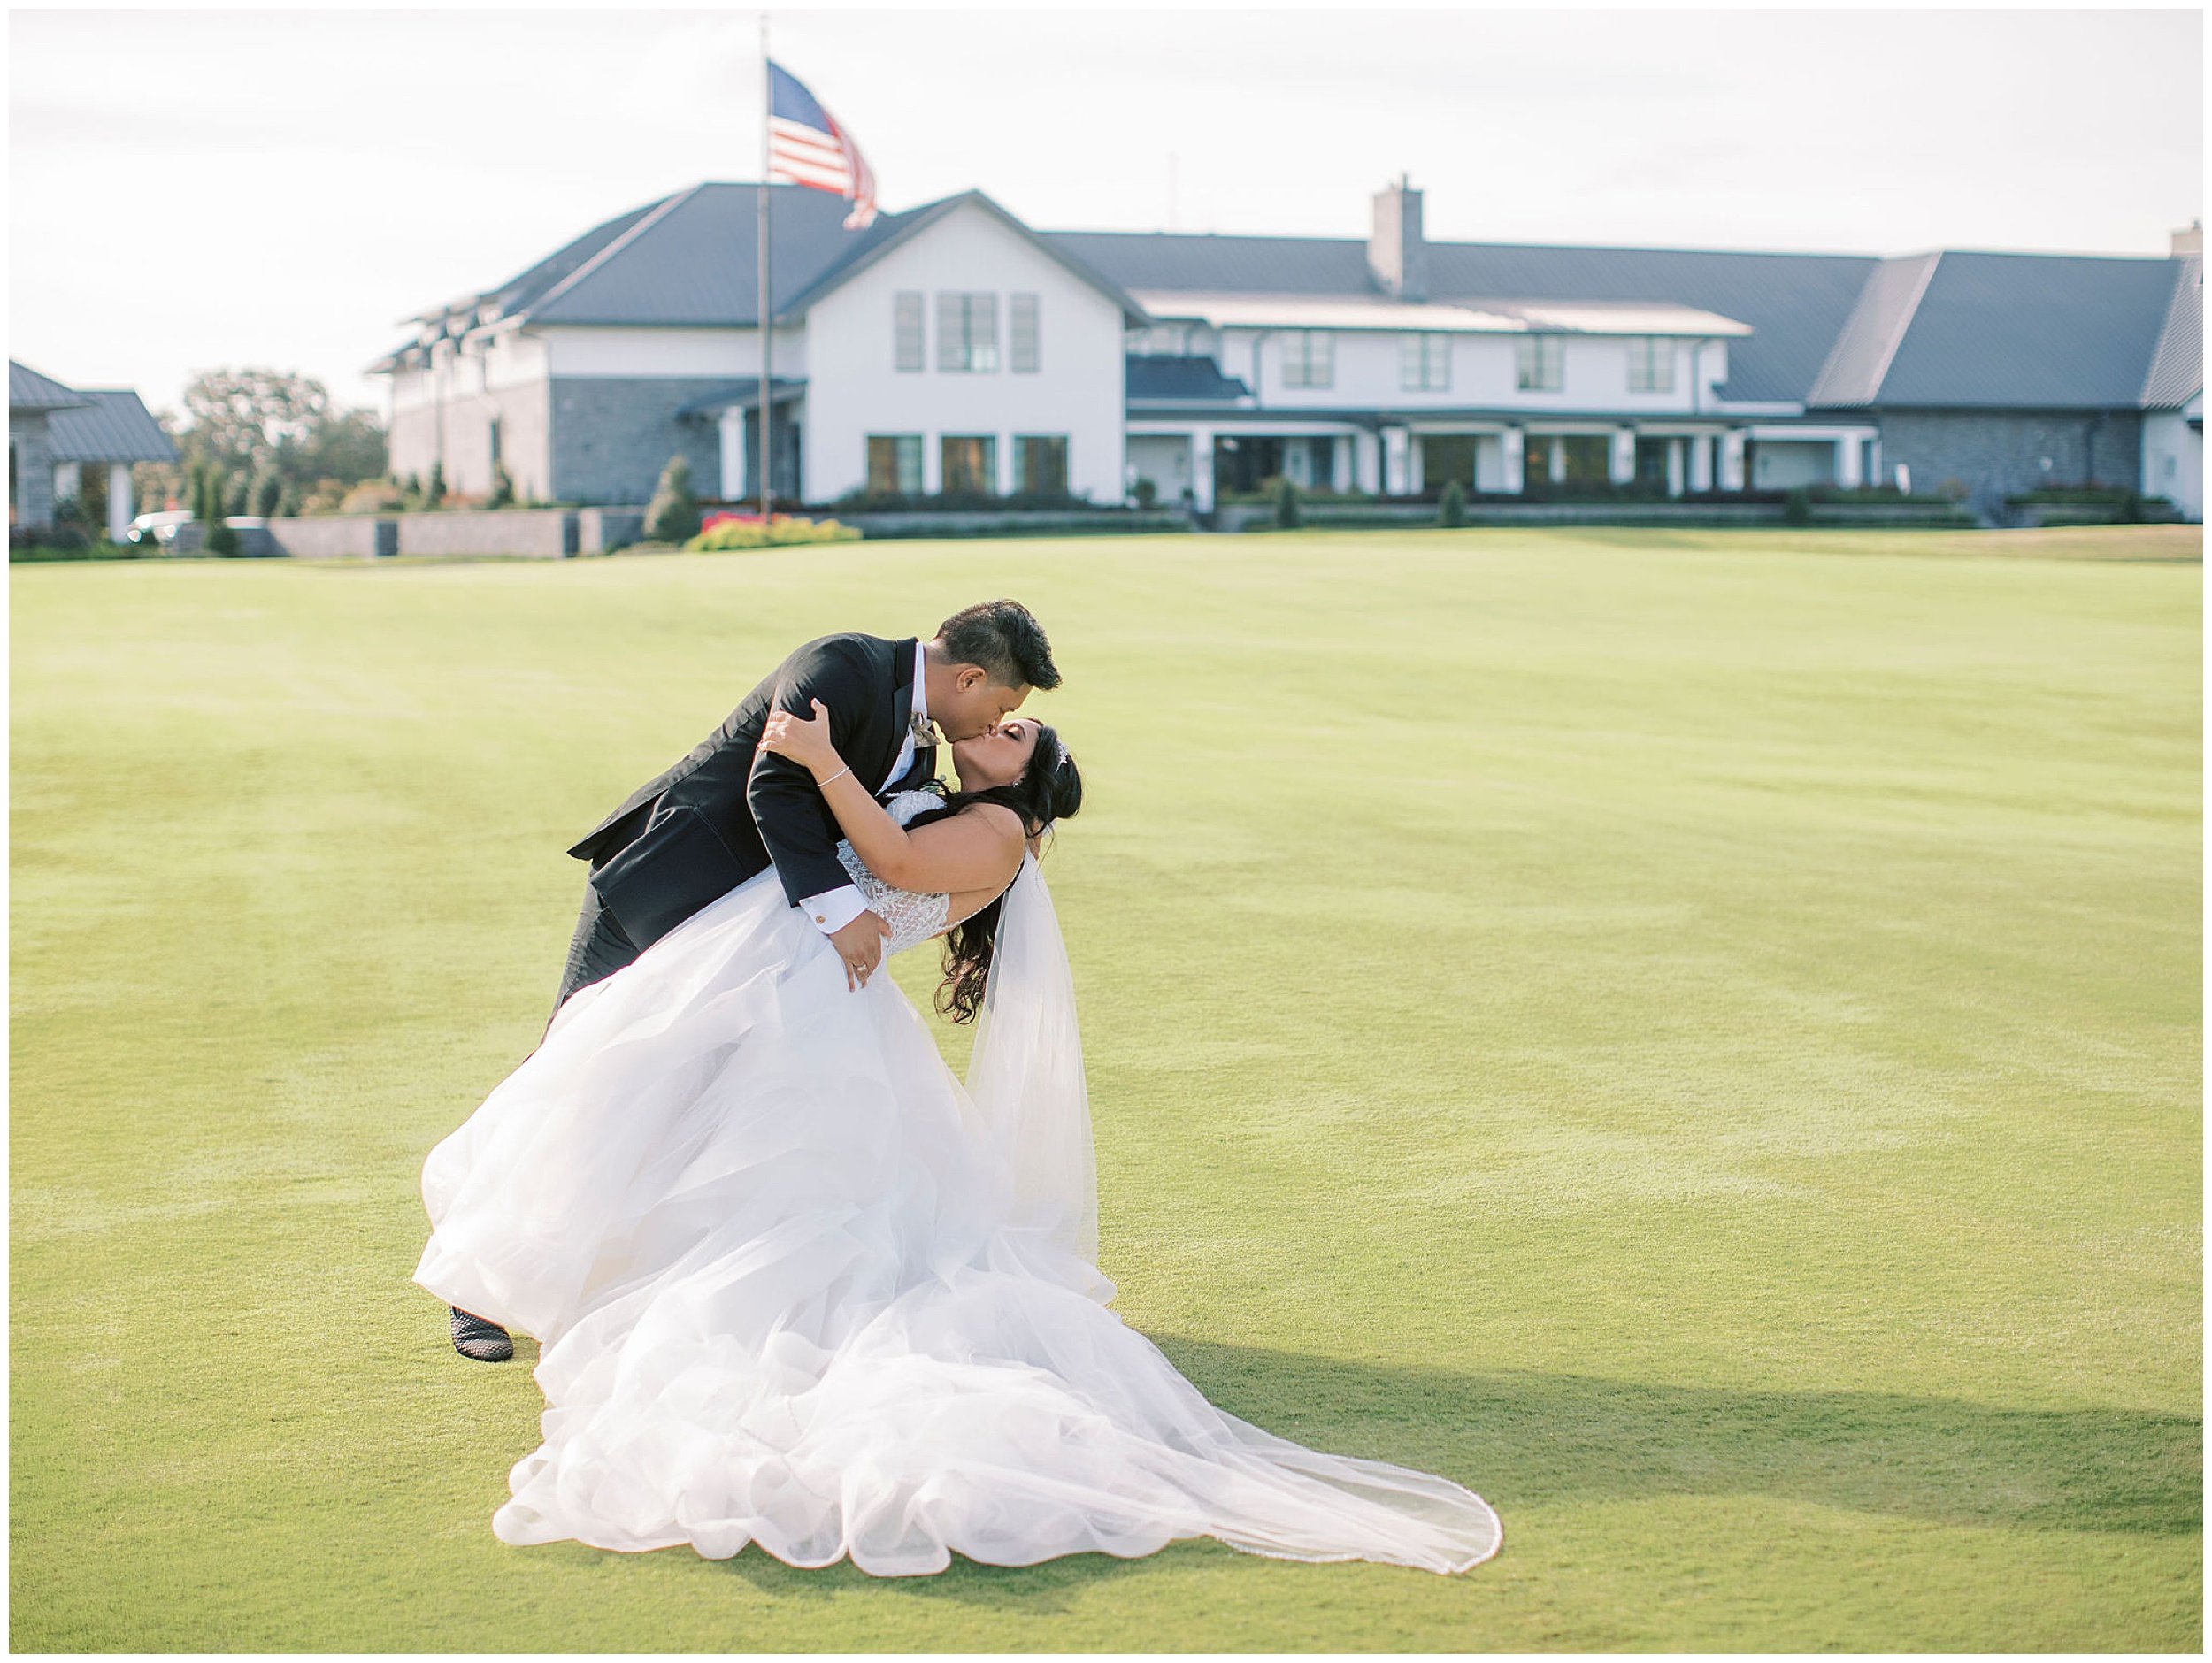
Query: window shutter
point(907, 331)
point(983, 331)
point(952, 332)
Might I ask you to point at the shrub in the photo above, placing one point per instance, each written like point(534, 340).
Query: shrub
point(780, 530)
point(1451, 507)
point(433, 491)
point(1286, 505)
point(371, 496)
point(268, 492)
point(238, 492)
point(674, 513)
point(502, 487)
point(288, 505)
point(1797, 507)
point(1147, 493)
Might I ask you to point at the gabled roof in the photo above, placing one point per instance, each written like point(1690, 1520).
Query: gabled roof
point(1795, 303)
point(29, 390)
point(1179, 380)
point(2030, 331)
point(691, 258)
point(1873, 331)
point(2177, 372)
point(900, 228)
point(114, 425)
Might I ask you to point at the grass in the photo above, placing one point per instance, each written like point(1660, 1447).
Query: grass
point(1695, 1035)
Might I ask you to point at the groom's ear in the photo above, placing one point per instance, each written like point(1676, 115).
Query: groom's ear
point(969, 678)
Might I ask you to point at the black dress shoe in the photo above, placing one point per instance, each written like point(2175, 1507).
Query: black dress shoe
point(475, 1337)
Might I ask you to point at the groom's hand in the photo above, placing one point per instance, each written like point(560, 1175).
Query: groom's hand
point(860, 945)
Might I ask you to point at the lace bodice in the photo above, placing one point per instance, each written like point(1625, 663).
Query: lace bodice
point(914, 918)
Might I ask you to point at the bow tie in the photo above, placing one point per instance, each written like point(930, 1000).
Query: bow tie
point(917, 724)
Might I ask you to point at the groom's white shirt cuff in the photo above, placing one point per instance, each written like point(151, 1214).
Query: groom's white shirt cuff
point(833, 908)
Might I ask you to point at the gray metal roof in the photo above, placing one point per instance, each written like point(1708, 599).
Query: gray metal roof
point(2177, 372)
point(113, 426)
point(744, 390)
point(1180, 381)
point(2030, 332)
point(1873, 331)
point(1796, 304)
point(29, 390)
point(690, 258)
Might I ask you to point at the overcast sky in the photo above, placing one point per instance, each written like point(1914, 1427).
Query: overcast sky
point(191, 189)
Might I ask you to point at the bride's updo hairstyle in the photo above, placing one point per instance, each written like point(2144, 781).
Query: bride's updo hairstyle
point(1048, 790)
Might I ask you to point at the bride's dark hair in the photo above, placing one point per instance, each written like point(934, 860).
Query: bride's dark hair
point(1048, 790)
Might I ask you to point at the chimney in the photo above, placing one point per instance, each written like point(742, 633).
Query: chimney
point(2189, 241)
point(1395, 253)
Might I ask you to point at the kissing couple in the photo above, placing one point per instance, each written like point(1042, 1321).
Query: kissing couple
point(794, 1282)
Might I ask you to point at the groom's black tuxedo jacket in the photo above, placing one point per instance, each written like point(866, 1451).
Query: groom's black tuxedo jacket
point(681, 841)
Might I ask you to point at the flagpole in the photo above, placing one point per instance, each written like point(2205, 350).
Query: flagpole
point(767, 103)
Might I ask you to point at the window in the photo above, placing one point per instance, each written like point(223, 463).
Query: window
point(969, 464)
point(1650, 364)
point(1538, 361)
point(967, 332)
point(1021, 334)
point(1425, 364)
point(1307, 359)
point(1040, 464)
point(895, 464)
point(906, 330)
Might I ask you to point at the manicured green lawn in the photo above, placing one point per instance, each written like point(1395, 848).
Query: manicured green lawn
point(1694, 1035)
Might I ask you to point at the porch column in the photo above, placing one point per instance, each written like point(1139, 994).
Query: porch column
point(1417, 463)
point(1340, 464)
point(1513, 453)
point(1395, 462)
point(1674, 467)
point(1701, 463)
point(1622, 459)
point(121, 509)
point(1367, 462)
point(735, 485)
point(1556, 466)
point(1201, 470)
point(1731, 460)
point(1848, 454)
point(932, 463)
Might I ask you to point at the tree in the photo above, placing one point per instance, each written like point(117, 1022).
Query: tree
point(268, 491)
point(434, 492)
point(1451, 507)
point(673, 515)
point(237, 492)
point(260, 419)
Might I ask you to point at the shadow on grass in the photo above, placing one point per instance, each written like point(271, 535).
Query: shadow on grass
point(1533, 1439)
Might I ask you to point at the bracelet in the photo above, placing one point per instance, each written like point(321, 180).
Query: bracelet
point(839, 774)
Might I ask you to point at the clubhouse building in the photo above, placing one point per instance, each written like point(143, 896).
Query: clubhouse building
point(953, 350)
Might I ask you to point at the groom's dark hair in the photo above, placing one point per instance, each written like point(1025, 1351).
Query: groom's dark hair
point(1005, 640)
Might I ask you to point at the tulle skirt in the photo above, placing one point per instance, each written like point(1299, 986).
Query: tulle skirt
point(784, 1295)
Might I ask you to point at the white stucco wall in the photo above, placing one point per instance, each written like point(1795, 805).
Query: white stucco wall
point(2173, 458)
point(1367, 374)
point(853, 390)
point(632, 350)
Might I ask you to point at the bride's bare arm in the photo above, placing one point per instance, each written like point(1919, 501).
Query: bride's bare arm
point(980, 848)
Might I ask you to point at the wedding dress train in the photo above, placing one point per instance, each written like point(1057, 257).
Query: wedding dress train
point(794, 1284)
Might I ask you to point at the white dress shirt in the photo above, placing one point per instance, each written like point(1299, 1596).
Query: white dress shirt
point(833, 908)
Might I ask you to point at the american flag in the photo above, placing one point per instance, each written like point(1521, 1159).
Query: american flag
point(807, 147)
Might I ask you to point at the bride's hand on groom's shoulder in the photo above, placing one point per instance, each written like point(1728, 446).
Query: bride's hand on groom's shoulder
point(805, 741)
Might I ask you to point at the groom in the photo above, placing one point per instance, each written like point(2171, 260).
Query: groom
point(727, 811)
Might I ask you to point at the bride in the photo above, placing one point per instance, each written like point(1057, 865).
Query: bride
point(795, 1284)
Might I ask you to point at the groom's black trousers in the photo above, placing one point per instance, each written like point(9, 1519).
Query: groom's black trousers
point(597, 951)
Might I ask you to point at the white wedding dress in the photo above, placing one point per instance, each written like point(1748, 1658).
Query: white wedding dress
point(794, 1284)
